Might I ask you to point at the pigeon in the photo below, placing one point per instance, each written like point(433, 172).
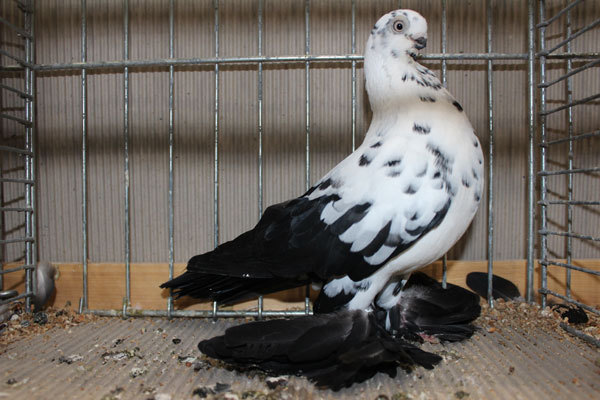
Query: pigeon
point(338, 349)
point(394, 205)
point(45, 274)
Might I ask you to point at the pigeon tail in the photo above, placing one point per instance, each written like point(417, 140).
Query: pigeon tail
point(333, 350)
point(225, 289)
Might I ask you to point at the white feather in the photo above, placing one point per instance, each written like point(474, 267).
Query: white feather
point(419, 149)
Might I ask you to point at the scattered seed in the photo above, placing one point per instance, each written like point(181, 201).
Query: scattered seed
point(221, 387)
point(202, 392)
point(137, 371)
point(40, 318)
point(274, 382)
point(70, 359)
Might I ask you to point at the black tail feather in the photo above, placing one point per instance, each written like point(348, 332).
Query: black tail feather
point(334, 350)
point(426, 308)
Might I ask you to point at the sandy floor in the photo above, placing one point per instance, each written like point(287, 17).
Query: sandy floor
point(520, 352)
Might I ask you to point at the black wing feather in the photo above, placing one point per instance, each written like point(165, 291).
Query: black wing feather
point(289, 247)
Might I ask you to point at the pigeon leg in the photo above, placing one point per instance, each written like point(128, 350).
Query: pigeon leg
point(400, 286)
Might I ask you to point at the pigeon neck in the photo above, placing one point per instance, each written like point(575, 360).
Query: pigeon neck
point(395, 81)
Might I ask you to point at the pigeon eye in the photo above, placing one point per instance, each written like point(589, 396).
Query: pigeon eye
point(400, 25)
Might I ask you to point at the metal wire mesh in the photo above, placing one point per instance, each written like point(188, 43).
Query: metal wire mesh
point(558, 192)
point(18, 156)
point(559, 52)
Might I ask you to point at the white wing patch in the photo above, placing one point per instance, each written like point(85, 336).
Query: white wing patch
point(336, 286)
point(381, 255)
point(403, 185)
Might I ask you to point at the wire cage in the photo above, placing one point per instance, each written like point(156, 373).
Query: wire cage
point(138, 133)
point(545, 80)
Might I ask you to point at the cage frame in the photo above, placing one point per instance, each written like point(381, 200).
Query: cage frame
point(536, 58)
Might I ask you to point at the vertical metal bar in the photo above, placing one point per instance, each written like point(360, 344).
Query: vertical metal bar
point(260, 109)
point(30, 230)
point(84, 153)
point(307, 83)
point(307, 300)
point(353, 51)
point(444, 82)
point(170, 201)
point(444, 44)
point(126, 151)
point(531, 153)
point(490, 105)
point(260, 307)
point(570, 161)
point(260, 128)
point(216, 164)
point(216, 138)
point(542, 124)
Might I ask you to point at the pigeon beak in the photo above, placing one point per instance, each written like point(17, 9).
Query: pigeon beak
point(420, 43)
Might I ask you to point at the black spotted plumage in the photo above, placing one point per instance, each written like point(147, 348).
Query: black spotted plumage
point(364, 160)
point(421, 129)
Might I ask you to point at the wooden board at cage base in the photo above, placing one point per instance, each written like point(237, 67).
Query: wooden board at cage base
point(106, 284)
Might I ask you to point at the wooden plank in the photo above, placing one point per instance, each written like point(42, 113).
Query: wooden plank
point(106, 282)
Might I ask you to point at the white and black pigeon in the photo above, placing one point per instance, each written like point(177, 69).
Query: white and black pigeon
point(394, 205)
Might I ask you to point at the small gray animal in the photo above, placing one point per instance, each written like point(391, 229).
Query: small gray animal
point(45, 274)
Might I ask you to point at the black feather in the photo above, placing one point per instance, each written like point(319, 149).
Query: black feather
point(325, 304)
point(574, 313)
point(501, 288)
point(333, 350)
point(289, 247)
point(427, 308)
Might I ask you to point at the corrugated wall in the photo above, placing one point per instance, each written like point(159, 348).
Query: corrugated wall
point(59, 105)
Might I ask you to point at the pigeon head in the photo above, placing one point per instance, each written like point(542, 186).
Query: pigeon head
point(398, 33)
point(390, 53)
